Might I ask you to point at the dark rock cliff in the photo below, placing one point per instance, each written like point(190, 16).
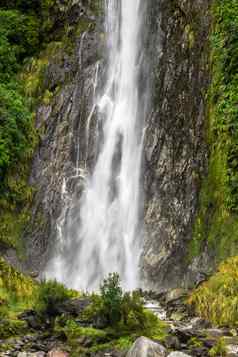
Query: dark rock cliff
point(175, 155)
point(69, 76)
point(175, 149)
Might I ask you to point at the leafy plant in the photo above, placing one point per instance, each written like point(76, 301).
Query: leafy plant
point(51, 295)
point(216, 224)
point(122, 313)
point(219, 349)
point(112, 296)
point(217, 299)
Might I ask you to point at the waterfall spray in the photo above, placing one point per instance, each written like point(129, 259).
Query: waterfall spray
point(108, 230)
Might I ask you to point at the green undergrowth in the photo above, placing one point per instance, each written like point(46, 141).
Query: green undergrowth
point(116, 319)
point(19, 292)
point(112, 320)
point(217, 299)
point(220, 349)
point(32, 34)
point(217, 221)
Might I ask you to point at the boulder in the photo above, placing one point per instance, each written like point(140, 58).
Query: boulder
point(199, 323)
point(178, 354)
point(56, 353)
point(216, 333)
point(73, 307)
point(31, 318)
point(175, 294)
point(30, 354)
point(144, 347)
point(172, 342)
point(232, 350)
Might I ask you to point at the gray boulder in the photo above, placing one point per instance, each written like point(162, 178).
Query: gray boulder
point(144, 347)
point(178, 354)
point(28, 354)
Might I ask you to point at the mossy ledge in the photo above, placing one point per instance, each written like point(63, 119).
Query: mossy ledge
point(47, 31)
point(216, 227)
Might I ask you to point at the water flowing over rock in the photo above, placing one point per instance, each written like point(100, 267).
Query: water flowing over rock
point(104, 235)
point(88, 205)
point(178, 354)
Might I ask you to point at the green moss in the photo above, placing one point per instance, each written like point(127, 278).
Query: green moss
point(219, 349)
point(9, 328)
point(190, 35)
point(195, 343)
point(216, 300)
point(216, 226)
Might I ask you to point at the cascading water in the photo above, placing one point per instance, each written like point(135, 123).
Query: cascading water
point(108, 231)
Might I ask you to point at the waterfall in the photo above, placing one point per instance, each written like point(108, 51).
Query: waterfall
point(107, 236)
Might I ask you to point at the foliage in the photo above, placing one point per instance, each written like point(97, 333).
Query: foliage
point(28, 28)
point(217, 299)
point(14, 282)
point(216, 225)
point(19, 37)
point(17, 293)
point(11, 327)
point(50, 296)
point(73, 331)
point(121, 313)
point(219, 349)
point(16, 129)
point(112, 296)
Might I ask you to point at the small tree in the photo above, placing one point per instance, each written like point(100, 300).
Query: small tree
point(112, 297)
point(51, 295)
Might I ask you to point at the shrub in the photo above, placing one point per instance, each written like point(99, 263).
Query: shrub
point(10, 328)
point(122, 314)
point(14, 283)
point(72, 330)
point(112, 296)
point(217, 299)
point(219, 349)
point(16, 129)
point(51, 295)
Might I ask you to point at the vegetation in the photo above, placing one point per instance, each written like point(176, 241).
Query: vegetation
point(50, 296)
point(16, 294)
point(117, 319)
point(216, 224)
point(217, 299)
point(113, 320)
point(219, 349)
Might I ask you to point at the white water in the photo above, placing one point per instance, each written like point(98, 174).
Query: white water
point(108, 233)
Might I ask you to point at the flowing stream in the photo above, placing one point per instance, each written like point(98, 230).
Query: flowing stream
point(109, 230)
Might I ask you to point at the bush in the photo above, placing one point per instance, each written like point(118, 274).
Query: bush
point(219, 349)
point(122, 314)
point(112, 296)
point(51, 295)
point(14, 283)
point(73, 331)
point(19, 37)
point(217, 299)
point(10, 328)
point(16, 129)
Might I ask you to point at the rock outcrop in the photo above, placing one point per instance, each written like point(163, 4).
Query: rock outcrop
point(65, 151)
point(144, 347)
point(175, 148)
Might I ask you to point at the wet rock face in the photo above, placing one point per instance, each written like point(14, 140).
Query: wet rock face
point(175, 149)
point(64, 143)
